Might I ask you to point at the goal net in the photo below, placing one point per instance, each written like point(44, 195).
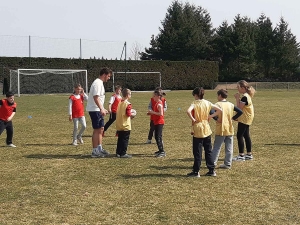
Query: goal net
point(46, 81)
point(137, 81)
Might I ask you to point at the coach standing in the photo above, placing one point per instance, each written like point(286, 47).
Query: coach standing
point(95, 107)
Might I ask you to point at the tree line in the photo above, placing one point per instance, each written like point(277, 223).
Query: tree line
point(246, 49)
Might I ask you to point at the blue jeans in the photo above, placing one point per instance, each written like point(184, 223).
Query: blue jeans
point(219, 140)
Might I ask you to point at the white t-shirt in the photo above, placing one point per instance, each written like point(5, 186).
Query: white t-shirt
point(97, 88)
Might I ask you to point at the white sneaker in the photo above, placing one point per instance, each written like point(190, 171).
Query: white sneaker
point(148, 142)
point(97, 154)
point(80, 140)
point(102, 150)
point(239, 158)
point(75, 143)
point(223, 166)
point(11, 145)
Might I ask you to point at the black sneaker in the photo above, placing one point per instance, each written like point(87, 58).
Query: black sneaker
point(193, 174)
point(211, 173)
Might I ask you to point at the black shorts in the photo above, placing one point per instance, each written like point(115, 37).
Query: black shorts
point(97, 119)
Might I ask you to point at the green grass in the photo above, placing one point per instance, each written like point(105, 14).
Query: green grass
point(45, 180)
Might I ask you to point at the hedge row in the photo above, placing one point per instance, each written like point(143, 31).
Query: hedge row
point(174, 75)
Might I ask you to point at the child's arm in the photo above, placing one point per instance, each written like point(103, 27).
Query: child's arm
point(240, 103)
point(128, 110)
point(238, 111)
point(85, 96)
point(150, 106)
point(165, 106)
point(111, 101)
point(190, 115)
point(159, 113)
point(11, 116)
point(70, 109)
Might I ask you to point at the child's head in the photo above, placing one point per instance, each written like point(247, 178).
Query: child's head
point(118, 89)
point(126, 93)
point(77, 89)
point(198, 92)
point(157, 94)
point(10, 97)
point(160, 89)
point(222, 94)
point(244, 87)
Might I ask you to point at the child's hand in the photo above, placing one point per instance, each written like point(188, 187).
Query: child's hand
point(149, 112)
point(70, 118)
point(237, 95)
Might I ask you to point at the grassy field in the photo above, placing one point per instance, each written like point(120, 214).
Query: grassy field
point(45, 180)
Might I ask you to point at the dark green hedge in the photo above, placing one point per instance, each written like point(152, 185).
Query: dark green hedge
point(175, 75)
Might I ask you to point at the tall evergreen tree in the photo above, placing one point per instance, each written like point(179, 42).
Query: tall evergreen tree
point(185, 34)
point(287, 52)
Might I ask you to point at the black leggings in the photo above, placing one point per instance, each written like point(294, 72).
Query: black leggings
point(243, 132)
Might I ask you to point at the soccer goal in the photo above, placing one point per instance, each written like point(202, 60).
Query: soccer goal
point(46, 81)
point(137, 81)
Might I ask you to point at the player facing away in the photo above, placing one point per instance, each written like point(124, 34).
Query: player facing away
point(95, 107)
point(113, 106)
point(7, 112)
point(150, 107)
point(224, 129)
point(123, 124)
point(76, 112)
point(244, 102)
point(199, 113)
point(157, 113)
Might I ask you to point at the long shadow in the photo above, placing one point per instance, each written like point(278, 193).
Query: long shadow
point(44, 144)
point(138, 176)
point(284, 144)
point(64, 156)
point(170, 167)
point(128, 144)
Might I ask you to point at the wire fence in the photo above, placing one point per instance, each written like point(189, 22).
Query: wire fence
point(260, 85)
point(32, 46)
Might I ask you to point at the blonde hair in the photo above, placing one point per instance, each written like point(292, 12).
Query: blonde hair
point(126, 92)
point(249, 89)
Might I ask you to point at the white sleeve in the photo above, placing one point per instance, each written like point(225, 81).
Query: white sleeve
point(112, 99)
point(85, 96)
point(70, 106)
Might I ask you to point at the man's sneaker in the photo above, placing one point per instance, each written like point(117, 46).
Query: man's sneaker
point(248, 157)
point(211, 173)
point(155, 153)
point(11, 145)
point(223, 166)
point(97, 154)
point(102, 150)
point(148, 142)
point(80, 140)
point(117, 155)
point(239, 158)
point(74, 143)
point(193, 174)
point(126, 156)
point(160, 154)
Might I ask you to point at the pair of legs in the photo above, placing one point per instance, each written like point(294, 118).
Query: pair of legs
point(198, 144)
point(243, 133)
point(151, 130)
point(82, 122)
point(219, 140)
point(112, 118)
point(8, 126)
point(98, 126)
point(123, 139)
point(158, 136)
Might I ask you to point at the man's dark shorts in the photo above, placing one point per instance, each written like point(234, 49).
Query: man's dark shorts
point(97, 119)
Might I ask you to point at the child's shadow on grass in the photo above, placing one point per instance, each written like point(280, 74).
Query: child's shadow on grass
point(138, 176)
point(62, 156)
point(284, 144)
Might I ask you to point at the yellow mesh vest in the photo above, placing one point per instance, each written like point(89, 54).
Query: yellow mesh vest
point(201, 112)
point(226, 127)
point(248, 112)
point(123, 122)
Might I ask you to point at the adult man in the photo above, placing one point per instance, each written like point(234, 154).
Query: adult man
point(95, 107)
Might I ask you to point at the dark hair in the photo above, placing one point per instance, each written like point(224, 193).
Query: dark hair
point(158, 93)
point(118, 87)
point(199, 91)
point(77, 85)
point(105, 71)
point(160, 89)
point(223, 93)
point(9, 94)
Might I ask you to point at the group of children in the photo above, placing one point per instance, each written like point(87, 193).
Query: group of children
point(224, 112)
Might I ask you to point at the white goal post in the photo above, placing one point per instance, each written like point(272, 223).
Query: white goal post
point(46, 81)
point(154, 81)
